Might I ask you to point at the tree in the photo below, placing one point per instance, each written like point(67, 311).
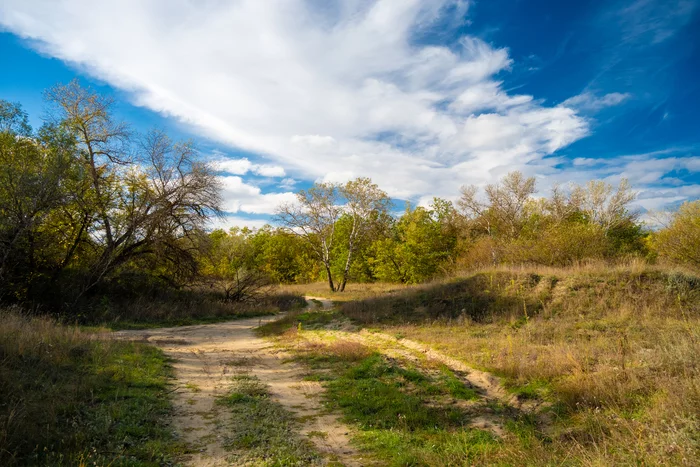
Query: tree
point(320, 211)
point(313, 218)
point(283, 257)
point(417, 249)
point(228, 263)
point(679, 241)
point(604, 207)
point(142, 194)
point(34, 172)
point(365, 205)
point(503, 213)
point(14, 120)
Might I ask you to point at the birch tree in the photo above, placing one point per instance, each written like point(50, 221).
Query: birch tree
point(313, 218)
point(365, 203)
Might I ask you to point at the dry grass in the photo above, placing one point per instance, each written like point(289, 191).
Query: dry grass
point(353, 291)
point(183, 307)
point(69, 398)
point(345, 350)
point(614, 348)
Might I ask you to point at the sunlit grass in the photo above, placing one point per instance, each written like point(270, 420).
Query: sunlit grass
point(613, 349)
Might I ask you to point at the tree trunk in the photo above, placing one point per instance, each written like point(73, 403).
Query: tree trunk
point(330, 278)
point(341, 288)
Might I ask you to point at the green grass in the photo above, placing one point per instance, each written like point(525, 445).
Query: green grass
point(68, 399)
point(262, 432)
point(405, 415)
point(455, 387)
point(611, 351)
point(533, 389)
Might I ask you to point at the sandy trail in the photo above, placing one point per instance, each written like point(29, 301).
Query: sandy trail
point(205, 358)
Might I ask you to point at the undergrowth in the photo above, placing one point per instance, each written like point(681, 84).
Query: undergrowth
point(181, 308)
point(71, 399)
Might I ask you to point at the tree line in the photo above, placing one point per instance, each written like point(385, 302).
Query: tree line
point(85, 201)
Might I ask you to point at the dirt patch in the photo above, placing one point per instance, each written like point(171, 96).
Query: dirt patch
point(206, 356)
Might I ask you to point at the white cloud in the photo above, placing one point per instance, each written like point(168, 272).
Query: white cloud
point(241, 196)
point(327, 93)
point(321, 90)
point(244, 166)
point(590, 102)
point(266, 170)
point(287, 184)
point(232, 166)
point(227, 222)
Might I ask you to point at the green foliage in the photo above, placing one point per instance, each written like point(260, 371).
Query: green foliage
point(416, 250)
point(283, 257)
point(84, 199)
point(679, 242)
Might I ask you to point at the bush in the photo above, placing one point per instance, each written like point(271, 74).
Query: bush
point(680, 242)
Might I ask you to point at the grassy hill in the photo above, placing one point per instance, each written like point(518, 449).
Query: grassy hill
point(614, 351)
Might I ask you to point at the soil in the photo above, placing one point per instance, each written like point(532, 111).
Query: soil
point(207, 356)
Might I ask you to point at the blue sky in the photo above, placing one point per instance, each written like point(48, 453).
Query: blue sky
point(421, 96)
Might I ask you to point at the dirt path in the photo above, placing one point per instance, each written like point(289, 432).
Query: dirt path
point(205, 358)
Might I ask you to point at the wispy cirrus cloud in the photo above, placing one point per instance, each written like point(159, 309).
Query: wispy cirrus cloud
point(589, 101)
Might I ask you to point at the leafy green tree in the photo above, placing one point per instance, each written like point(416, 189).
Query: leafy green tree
point(227, 262)
point(679, 241)
point(283, 257)
point(33, 184)
point(417, 250)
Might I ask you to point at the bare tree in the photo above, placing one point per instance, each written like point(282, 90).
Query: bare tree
point(313, 218)
point(605, 206)
point(562, 203)
point(504, 208)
